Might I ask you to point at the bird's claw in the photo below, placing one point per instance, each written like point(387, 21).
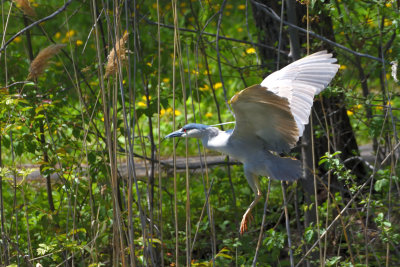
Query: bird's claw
point(247, 218)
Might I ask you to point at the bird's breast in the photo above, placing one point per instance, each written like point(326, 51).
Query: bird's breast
point(218, 142)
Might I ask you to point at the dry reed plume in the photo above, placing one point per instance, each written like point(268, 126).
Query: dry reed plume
point(117, 55)
point(25, 7)
point(41, 61)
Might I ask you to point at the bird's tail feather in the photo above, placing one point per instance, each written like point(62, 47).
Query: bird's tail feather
point(284, 169)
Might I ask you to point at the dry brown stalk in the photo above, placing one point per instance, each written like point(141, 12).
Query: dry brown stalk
point(117, 56)
point(25, 7)
point(41, 61)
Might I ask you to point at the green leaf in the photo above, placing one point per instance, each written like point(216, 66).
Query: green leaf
point(308, 235)
point(381, 185)
point(41, 116)
point(26, 108)
point(332, 261)
point(224, 255)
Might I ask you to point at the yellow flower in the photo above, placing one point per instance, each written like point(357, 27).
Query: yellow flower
point(217, 86)
point(162, 112)
point(169, 110)
point(206, 72)
point(204, 88)
point(18, 39)
point(208, 115)
point(57, 35)
point(240, 29)
point(229, 6)
point(351, 110)
point(19, 127)
point(177, 112)
point(149, 64)
point(387, 22)
point(251, 50)
point(123, 82)
point(70, 33)
point(141, 104)
point(388, 4)
point(79, 42)
point(242, 7)
point(370, 22)
point(144, 98)
point(341, 33)
point(195, 72)
point(343, 67)
point(166, 80)
point(94, 83)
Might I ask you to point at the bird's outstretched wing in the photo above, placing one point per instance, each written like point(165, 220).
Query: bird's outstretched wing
point(261, 114)
point(300, 81)
point(277, 109)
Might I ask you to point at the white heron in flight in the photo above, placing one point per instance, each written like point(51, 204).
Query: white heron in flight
point(270, 118)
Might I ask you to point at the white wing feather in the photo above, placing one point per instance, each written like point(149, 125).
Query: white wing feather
point(300, 81)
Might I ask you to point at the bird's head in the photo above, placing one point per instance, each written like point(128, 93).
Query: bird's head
point(191, 130)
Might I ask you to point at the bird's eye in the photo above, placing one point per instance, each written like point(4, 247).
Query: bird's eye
point(184, 130)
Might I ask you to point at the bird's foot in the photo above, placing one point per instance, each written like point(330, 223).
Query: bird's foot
point(247, 218)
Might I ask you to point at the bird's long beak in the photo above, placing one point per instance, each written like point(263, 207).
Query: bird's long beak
point(177, 133)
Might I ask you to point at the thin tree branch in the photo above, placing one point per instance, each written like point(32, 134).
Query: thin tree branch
point(58, 11)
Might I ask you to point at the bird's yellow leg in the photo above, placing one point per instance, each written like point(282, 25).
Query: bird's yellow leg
point(252, 179)
point(247, 217)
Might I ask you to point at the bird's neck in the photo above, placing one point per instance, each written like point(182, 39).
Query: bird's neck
point(215, 139)
point(210, 133)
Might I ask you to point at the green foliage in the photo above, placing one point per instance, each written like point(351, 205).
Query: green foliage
point(334, 164)
point(388, 232)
